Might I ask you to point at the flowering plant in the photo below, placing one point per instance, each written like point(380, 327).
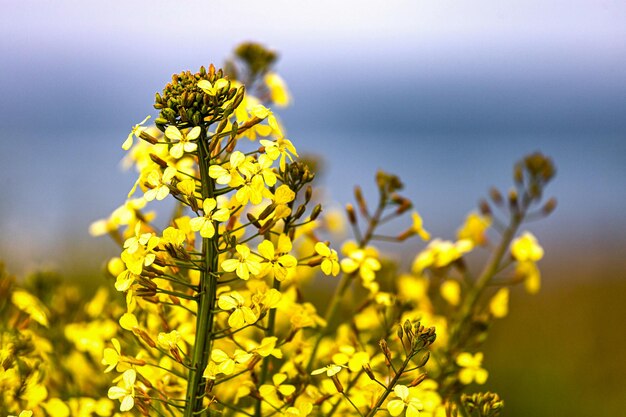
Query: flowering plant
point(215, 319)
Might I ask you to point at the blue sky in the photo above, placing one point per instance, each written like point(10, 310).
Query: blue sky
point(447, 94)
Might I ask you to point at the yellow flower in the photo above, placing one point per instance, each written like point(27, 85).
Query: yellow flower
point(183, 140)
point(362, 260)
point(285, 390)
point(30, 305)
point(529, 272)
point(158, 183)
point(139, 251)
point(276, 264)
point(330, 264)
point(136, 130)
point(247, 263)
point(205, 224)
point(475, 229)
point(213, 89)
point(451, 291)
point(471, 368)
point(440, 253)
point(125, 392)
point(169, 340)
point(267, 347)
point(526, 248)
point(278, 89)
point(253, 190)
point(111, 357)
point(221, 363)
point(329, 370)
point(241, 315)
point(412, 404)
point(280, 148)
point(499, 304)
point(418, 226)
point(229, 173)
point(348, 355)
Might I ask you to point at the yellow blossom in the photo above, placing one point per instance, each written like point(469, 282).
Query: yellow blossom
point(412, 404)
point(136, 131)
point(363, 260)
point(451, 291)
point(241, 314)
point(125, 392)
point(277, 261)
point(418, 226)
point(475, 229)
point(183, 140)
point(280, 148)
point(213, 88)
point(499, 304)
point(330, 263)
point(471, 369)
point(211, 214)
point(158, 183)
point(329, 370)
point(30, 305)
point(526, 248)
point(529, 272)
point(245, 264)
point(440, 253)
point(111, 356)
point(278, 89)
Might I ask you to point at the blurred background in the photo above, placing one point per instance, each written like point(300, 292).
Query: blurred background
point(446, 94)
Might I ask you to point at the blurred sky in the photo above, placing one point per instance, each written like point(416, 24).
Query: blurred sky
point(446, 94)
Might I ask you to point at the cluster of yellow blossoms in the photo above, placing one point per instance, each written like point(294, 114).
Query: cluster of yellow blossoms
point(218, 315)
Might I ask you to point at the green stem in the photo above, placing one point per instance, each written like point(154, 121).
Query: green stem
point(206, 301)
point(266, 360)
point(390, 388)
point(344, 284)
point(492, 267)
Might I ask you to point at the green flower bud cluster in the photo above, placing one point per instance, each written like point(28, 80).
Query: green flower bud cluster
point(184, 104)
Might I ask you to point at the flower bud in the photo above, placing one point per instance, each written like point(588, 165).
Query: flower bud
point(351, 214)
point(549, 206)
point(418, 380)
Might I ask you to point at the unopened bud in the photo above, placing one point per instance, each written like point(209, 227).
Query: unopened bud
point(253, 220)
point(400, 332)
point(134, 361)
point(308, 193)
point(408, 329)
point(485, 210)
point(424, 360)
point(549, 206)
point(268, 210)
point(148, 137)
point(518, 174)
point(368, 371)
point(267, 226)
point(316, 211)
point(145, 337)
point(337, 383)
point(351, 214)
point(513, 199)
point(405, 204)
point(158, 161)
point(358, 195)
point(385, 349)
point(300, 211)
point(418, 380)
point(495, 195)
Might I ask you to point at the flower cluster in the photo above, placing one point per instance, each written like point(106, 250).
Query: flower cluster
point(219, 315)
